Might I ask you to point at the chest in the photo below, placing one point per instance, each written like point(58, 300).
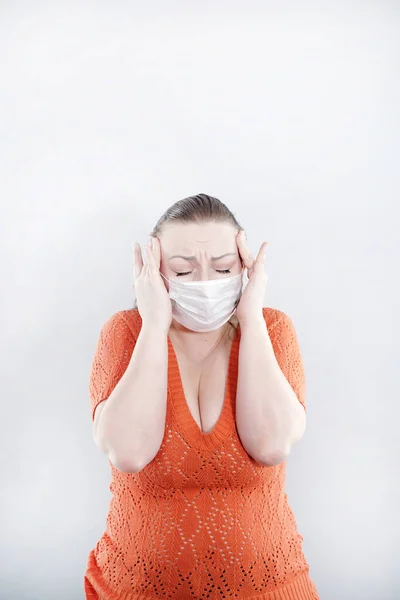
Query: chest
point(204, 386)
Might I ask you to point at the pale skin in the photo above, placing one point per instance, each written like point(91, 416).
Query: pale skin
point(269, 416)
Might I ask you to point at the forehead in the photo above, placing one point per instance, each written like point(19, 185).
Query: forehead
point(198, 236)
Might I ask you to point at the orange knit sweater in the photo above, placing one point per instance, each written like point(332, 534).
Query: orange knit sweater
point(202, 519)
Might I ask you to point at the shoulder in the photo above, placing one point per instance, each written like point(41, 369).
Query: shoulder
point(280, 327)
point(132, 319)
point(125, 323)
point(274, 317)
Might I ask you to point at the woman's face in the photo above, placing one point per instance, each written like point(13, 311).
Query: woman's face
point(199, 251)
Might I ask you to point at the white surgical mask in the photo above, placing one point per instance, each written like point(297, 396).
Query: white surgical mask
point(204, 305)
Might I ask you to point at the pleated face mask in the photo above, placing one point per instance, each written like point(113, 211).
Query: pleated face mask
point(204, 305)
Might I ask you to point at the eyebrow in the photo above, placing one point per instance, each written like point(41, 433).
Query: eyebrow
point(193, 258)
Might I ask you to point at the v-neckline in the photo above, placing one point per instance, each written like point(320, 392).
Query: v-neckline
point(225, 423)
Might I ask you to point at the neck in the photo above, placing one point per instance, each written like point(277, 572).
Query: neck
point(195, 341)
point(182, 332)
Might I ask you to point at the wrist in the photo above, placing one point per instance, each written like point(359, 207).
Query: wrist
point(252, 320)
point(154, 327)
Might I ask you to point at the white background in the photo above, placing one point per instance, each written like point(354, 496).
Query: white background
point(287, 112)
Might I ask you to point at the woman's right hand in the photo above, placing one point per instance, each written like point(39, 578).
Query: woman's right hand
point(152, 297)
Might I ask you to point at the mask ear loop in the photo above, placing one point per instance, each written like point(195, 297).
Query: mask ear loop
point(166, 279)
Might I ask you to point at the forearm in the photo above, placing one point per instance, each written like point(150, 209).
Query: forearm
point(132, 423)
point(269, 416)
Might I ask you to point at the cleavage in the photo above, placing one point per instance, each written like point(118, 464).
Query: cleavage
point(204, 387)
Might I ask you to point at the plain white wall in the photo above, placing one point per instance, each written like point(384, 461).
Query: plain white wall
point(288, 112)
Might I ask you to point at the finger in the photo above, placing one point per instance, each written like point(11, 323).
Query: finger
point(157, 251)
point(260, 260)
point(148, 254)
point(244, 251)
point(151, 261)
point(137, 260)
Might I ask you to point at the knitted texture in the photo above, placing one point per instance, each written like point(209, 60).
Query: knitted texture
point(203, 519)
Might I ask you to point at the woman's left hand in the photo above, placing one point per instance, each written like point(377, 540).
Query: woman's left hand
point(252, 300)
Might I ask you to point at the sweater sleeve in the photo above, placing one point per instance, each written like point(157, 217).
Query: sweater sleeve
point(113, 353)
point(287, 351)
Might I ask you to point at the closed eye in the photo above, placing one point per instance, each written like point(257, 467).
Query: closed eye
point(217, 270)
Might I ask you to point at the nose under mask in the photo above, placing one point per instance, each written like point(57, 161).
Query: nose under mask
point(204, 305)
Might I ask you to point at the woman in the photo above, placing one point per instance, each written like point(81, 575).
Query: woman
point(197, 397)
